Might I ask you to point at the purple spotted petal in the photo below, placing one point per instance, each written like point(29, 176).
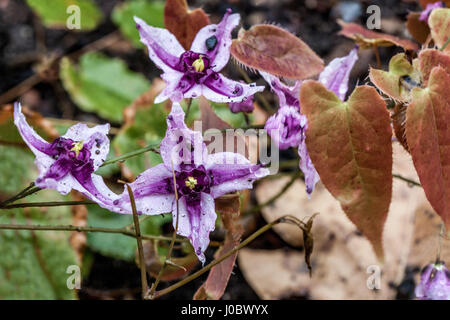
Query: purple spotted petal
point(336, 74)
point(95, 139)
point(196, 219)
point(307, 167)
point(434, 283)
point(63, 169)
point(215, 40)
point(171, 91)
point(245, 105)
point(181, 144)
point(163, 47)
point(287, 96)
point(222, 89)
point(429, 8)
point(231, 172)
point(286, 127)
point(152, 190)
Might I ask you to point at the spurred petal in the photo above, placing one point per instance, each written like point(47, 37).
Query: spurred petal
point(287, 96)
point(196, 219)
point(171, 91)
point(38, 146)
point(336, 74)
point(152, 190)
point(246, 105)
point(215, 40)
point(223, 89)
point(231, 172)
point(307, 167)
point(163, 48)
point(430, 7)
point(286, 127)
point(434, 283)
point(181, 144)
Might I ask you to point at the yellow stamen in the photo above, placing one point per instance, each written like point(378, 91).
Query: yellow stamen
point(191, 182)
point(77, 147)
point(199, 65)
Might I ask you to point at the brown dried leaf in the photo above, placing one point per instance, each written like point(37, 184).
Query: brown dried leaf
point(182, 22)
point(368, 39)
point(338, 246)
point(290, 57)
point(418, 29)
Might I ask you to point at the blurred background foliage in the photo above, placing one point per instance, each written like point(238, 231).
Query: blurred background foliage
point(101, 73)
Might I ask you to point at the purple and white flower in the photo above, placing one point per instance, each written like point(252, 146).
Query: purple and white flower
point(69, 162)
point(424, 15)
point(288, 126)
point(434, 283)
point(200, 178)
point(190, 74)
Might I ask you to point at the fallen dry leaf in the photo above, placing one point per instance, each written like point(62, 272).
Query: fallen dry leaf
point(341, 255)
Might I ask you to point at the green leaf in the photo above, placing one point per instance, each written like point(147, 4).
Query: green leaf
point(55, 13)
point(33, 264)
point(15, 173)
point(149, 127)
point(102, 85)
point(119, 246)
point(151, 12)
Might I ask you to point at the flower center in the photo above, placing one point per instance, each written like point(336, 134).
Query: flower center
point(77, 147)
point(191, 182)
point(199, 64)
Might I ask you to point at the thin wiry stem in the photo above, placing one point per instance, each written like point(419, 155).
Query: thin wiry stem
point(150, 147)
point(174, 235)
point(409, 181)
point(123, 231)
point(138, 235)
point(244, 243)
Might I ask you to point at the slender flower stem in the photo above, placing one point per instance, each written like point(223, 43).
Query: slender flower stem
point(278, 195)
point(261, 99)
point(84, 229)
point(150, 147)
point(47, 204)
point(222, 258)
point(411, 182)
point(169, 253)
point(445, 45)
point(17, 196)
point(188, 109)
point(137, 230)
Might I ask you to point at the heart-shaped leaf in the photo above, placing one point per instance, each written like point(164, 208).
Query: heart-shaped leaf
point(430, 58)
point(439, 22)
point(182, 22)
point(350, 146)
point(368, 39)
point(418, 29)
point(391, 82)
point(290, 57)
point(428, 136)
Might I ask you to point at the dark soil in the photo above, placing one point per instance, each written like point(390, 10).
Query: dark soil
point(22, 39)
